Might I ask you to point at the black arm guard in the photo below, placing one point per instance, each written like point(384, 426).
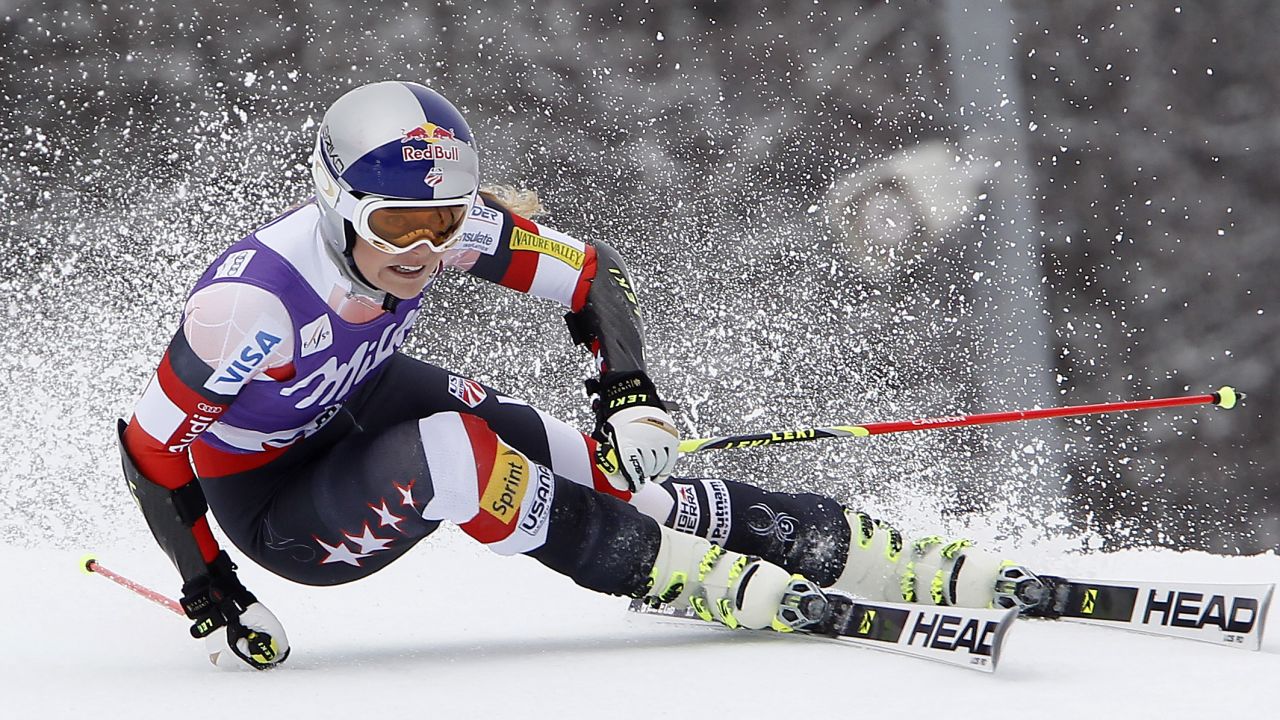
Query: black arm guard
point(169, 513)
point(611, 315)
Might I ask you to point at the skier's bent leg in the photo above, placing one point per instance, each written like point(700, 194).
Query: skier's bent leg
point(606, 545)
point(850, 551)
point(803, 532)
point(513, 505)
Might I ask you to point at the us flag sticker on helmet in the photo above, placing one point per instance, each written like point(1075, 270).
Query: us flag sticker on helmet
point(468, 391)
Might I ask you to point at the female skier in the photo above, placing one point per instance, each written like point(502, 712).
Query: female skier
point(284, 405)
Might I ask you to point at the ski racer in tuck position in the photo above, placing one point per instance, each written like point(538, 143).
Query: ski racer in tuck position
point(284, 405)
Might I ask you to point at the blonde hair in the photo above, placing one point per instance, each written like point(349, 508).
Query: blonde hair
point(520, 201)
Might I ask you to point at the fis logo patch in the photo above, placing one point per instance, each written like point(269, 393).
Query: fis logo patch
point(316, 335)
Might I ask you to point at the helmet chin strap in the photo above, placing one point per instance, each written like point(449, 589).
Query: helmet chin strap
point(360, 285)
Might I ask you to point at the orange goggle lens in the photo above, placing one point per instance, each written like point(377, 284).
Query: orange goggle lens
point(405, 226)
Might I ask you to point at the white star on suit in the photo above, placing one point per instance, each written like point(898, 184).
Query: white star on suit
point(339, 553)
point(406, 494)
point(368, 542)
point(386, 517)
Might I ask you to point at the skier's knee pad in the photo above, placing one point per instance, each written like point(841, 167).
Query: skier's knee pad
point(928, 570)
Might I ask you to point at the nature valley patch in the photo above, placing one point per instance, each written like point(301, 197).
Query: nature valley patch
point(522, 239)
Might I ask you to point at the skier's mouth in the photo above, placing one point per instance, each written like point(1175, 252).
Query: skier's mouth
point(408, 271)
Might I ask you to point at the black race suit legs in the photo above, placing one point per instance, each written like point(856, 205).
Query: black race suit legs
point(415, 441)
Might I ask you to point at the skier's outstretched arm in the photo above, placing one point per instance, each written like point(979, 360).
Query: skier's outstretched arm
point(231, 334)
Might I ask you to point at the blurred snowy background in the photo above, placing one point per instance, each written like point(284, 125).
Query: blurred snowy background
point(837, 212)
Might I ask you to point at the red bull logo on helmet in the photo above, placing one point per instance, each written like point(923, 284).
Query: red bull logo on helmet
point(408, 153)
point(427, 132)
point(431, 134)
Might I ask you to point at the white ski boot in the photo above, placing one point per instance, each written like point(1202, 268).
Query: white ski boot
point(733, 589)
point(935, 571)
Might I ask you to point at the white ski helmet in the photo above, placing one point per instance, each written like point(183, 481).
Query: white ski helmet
point(394, 141)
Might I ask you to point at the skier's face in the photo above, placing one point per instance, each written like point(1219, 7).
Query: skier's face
point(402, 275)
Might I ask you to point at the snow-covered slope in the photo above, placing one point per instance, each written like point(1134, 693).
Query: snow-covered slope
point(453, 631)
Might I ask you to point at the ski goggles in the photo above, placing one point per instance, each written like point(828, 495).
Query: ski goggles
point(396, 226)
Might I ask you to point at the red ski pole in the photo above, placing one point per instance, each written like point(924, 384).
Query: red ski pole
point(1226, 398)
point(91, 565)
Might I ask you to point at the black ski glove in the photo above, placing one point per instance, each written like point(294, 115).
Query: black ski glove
point(218, 600)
